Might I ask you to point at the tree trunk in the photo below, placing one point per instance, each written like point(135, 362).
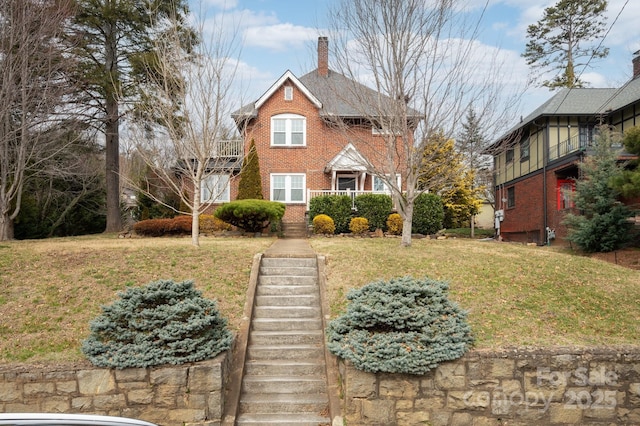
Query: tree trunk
point(112, 137)
point(407, 219)
point(6, 228)
point(473, 229)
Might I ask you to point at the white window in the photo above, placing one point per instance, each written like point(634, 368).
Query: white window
point(215, 189)
point(379, 185)
point(288, 188)
point(288, 93)
point(288, 130)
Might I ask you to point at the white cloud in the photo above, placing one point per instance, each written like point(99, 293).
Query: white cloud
point(280, 37)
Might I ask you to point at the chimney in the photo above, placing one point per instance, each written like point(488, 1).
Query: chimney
point(636, 64)
point(323, 56)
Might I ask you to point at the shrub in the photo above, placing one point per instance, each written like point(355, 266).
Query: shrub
point(152, 227)
point(210, 223)
point(394, 224)
point(179, 225)
point(163, 322)
point(323, 224)
point(374, 207)
point(428, 214)
point(359, 225)
point(400, 326)
point(250, 185)
point(338, 207)
point(250, 215)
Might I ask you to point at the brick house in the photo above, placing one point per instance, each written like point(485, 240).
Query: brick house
point(536, 161)
point(312, 139)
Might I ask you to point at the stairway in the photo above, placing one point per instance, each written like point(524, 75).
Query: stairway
point(285, 380)
point(295, 229)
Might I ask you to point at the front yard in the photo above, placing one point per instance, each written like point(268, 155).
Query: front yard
point(515, 295)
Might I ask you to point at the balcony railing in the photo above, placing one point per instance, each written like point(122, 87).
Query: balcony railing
point(311, 193)
point(573, 144)
point(230, 148)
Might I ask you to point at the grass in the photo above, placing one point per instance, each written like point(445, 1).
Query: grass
point(515, 295)
point(51, 289)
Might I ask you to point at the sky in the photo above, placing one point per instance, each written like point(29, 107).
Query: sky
point(281, 35)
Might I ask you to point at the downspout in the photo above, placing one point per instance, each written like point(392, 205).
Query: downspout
point(545, 156)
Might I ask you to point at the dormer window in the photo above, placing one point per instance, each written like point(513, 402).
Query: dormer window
point(288, 130)
point(288, 93)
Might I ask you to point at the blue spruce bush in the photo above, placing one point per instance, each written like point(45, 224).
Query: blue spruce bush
point(404, 325)
point(163, 322)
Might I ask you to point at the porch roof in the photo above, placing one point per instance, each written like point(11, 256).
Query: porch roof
point(348, 159)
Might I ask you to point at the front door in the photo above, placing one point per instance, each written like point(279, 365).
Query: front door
point(346, 182)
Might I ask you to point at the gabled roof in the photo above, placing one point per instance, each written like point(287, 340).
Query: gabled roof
point(349, 158)
point(334, 95)
point(579, 101)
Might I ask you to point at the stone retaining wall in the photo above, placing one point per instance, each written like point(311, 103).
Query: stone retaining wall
point(517, 387)
point(167, 395)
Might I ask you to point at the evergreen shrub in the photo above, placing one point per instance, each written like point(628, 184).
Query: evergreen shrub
point(163, 322)
point(338, 207)
point(251, 215)
point(323, 224)
point(394, 224)
point(152, 227)
point(210, 223)
point(403, 325)
point(428, 214)
point(374, 207)
point(250, 185)
point(359, 225)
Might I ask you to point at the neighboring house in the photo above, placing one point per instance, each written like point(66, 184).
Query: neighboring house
point(302, 151)
point(536, 162)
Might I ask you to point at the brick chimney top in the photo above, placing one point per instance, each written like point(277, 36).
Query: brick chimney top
point(323, 56)
point(636, 64)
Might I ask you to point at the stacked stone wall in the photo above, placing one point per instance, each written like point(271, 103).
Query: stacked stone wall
point(168, 395)
point(517, 387)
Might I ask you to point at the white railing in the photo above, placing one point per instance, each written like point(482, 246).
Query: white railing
point(311, 193)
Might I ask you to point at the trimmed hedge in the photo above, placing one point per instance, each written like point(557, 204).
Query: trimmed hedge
point(375, 208)
point(428, 214)
point(359, 225)
point(403, 325)
point(179, 225)
point(394, 224)
point(337, 207)
point(163, 322)
point(251, 215)
point(323, 224)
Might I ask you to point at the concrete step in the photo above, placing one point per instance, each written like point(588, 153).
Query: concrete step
point(298, 337)
point(286, 312)
point(289, 261)
point(295, 271)
point(282, 419)
point(303, 300)
point(284, 403)
point(286, 352)
point(286, 290)
point(267, 367)
point(287, 280)
point(288, 324)
point(296, 385)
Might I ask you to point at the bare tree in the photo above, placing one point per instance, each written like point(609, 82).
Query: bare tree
point(33, 70)
point(192, 151)
point(424, 60)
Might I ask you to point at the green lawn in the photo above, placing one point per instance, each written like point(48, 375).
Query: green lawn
point(515, 294)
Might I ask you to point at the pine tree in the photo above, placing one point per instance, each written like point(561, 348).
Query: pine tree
point(602, 224)
point(557, 41)
point(250, 185)
point(629, 182)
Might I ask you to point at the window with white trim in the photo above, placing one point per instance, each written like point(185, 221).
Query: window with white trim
point(379, 185)
point(215, 189)
point(288, 188)
point(288, 130)
point(288, 93)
